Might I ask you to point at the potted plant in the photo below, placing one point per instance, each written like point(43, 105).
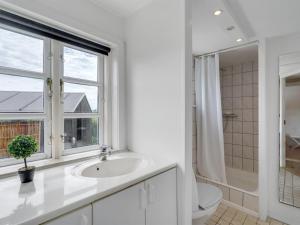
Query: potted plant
point(21, 147)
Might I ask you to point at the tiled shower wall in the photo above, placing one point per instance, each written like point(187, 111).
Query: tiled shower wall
point(239, 85)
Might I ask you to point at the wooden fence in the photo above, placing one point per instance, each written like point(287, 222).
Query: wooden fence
point(10, 129)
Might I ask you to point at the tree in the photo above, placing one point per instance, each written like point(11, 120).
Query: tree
point(22, 147)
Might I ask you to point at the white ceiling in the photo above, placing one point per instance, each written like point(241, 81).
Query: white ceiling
point(240, 55)
point(122, 8)
point(253, 18)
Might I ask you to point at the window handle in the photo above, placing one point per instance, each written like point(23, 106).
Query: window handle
point(62, 137)
point(61, 82)
point(49, 84)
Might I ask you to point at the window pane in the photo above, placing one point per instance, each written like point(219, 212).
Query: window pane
point(80, 64)
point(80, 132)
point(80, 98)
point(21, 51)
point(21, 94)
point(11, 128)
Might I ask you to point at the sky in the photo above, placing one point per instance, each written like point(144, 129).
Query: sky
point(26, 53)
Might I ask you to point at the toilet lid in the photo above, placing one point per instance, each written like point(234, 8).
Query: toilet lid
point(208, 195)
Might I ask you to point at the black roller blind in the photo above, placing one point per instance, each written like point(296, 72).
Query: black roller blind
point(20, 22)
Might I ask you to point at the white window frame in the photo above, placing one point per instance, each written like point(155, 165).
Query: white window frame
point(99, 84)
point(46, 115)
point(53, 109)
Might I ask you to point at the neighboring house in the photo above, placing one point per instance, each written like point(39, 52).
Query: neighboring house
point(76, 131)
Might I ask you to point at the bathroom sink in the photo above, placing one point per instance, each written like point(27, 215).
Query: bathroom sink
point(113, 167)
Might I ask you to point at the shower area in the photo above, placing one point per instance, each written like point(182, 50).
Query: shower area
point(233, 147)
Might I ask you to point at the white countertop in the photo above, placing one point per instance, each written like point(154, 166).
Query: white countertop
point(56, 191)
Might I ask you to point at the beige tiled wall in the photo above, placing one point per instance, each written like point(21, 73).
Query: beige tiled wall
point(239, 85)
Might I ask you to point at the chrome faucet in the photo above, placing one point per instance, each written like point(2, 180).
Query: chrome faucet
point(104, 152)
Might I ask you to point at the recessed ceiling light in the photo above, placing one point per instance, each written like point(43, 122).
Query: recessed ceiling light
point(218, 12)
point(239, 40)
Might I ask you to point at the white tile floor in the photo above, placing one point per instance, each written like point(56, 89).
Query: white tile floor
point(289, 188)
point(226, 215)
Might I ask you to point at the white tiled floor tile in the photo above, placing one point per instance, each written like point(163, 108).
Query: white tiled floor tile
point(226, 215)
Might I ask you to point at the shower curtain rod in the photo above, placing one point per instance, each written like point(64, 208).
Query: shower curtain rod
point(228, 49)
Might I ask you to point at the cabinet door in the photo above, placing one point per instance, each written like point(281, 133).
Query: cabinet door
point(161, 198)
point(81, 216)
point(123, 208)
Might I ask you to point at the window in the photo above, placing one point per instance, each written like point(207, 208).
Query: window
point(24, 104)
point(83, 94)
point(26, 93)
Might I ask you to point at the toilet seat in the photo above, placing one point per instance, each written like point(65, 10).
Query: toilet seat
point(208, 195)
point(209, 198)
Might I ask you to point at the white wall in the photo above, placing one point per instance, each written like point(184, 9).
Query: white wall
point(159, 89)
point(84, 18)
point(274, 48)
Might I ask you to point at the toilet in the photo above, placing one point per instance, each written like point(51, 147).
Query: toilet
point(206, 199)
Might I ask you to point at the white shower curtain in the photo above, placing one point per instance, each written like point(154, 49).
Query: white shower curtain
point(210, 140)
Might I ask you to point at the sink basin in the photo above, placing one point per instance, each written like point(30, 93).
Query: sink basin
point(111, 168)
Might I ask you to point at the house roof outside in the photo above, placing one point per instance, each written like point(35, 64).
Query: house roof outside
point(15, 101)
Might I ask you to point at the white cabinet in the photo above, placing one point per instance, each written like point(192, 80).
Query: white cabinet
point(152, 202)
point(81, 216)
point(124, 208)
point(161, 198)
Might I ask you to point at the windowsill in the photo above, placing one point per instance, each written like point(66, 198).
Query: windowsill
point(8, 171)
